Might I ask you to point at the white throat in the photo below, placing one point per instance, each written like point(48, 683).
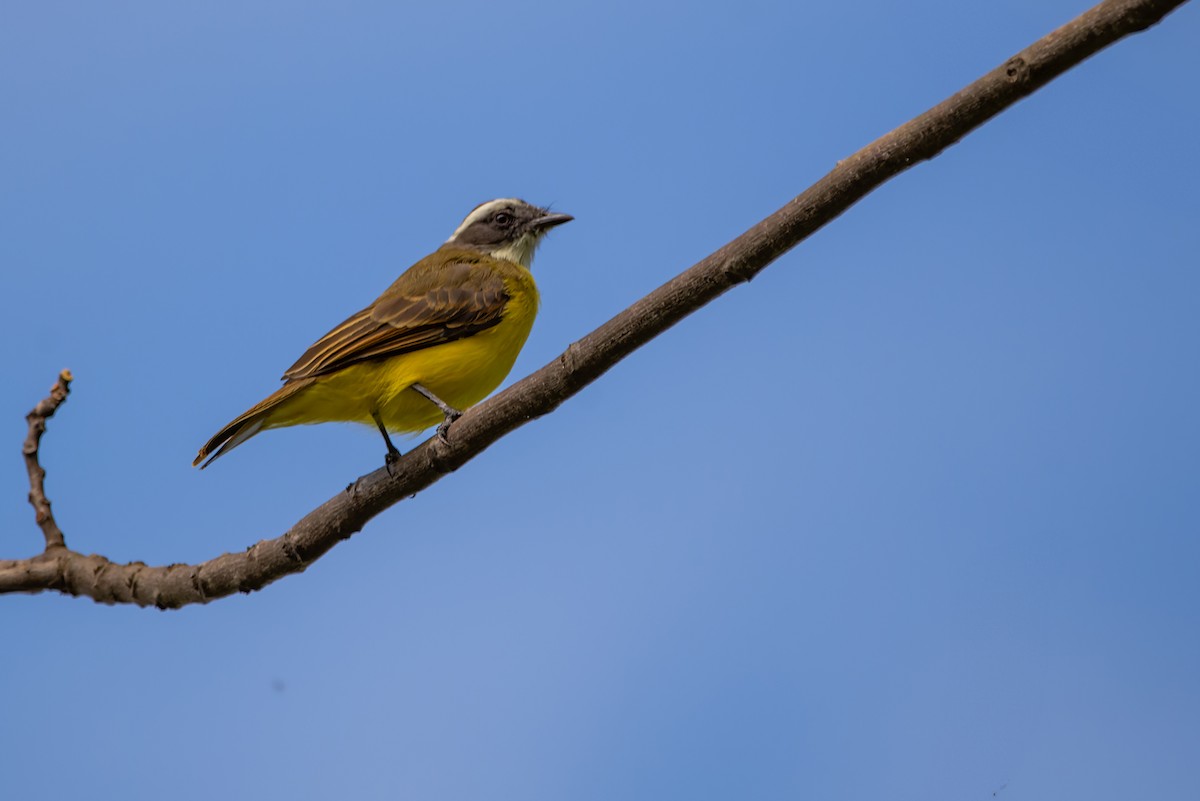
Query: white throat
point(520, 251)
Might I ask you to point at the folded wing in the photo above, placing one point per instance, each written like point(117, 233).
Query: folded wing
point(434, 302)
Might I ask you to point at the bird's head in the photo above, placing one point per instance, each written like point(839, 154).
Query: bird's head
point(507, 229)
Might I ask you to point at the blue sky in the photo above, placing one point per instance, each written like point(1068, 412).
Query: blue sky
point(914, 515)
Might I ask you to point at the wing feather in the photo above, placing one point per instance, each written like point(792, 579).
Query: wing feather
point(438, 300)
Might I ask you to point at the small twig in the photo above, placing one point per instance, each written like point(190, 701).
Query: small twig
point(37, 475)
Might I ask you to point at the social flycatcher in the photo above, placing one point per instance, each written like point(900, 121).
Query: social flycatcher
point(441, 338)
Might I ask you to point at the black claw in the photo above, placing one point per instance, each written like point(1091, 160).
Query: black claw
point(444, 429)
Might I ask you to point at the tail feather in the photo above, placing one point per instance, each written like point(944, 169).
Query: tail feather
point(229, 438)
point(245, 425)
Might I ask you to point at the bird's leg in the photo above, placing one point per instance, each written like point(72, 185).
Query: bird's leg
point(451, 413)
point(393, 454)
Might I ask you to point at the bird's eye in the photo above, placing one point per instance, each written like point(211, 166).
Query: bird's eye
point(502, 218)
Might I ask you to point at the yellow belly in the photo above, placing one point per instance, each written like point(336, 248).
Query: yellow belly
point(461, 373)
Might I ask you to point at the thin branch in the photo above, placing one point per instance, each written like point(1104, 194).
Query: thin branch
point(586, 360)
point(37, 475)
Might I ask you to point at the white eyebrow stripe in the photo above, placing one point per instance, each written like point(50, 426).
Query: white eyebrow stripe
point(482, 212)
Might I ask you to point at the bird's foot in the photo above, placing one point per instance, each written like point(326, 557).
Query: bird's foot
point(451, 413)
point(393, 456)
point(444, 428)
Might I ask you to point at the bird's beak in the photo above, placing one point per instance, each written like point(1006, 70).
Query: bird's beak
point(549, 221)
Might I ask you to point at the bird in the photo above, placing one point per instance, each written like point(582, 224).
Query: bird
point(438, 340)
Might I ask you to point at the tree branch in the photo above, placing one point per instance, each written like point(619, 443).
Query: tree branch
point(922, 138)
point(37, 475)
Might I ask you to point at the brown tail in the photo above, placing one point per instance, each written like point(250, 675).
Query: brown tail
point(246, 425)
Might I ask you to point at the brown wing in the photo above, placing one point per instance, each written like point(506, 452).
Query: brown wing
point(437, 300)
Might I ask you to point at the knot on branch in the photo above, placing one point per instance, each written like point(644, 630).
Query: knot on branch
point(738, 271)
point(1016, 70)
point(572, 365)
